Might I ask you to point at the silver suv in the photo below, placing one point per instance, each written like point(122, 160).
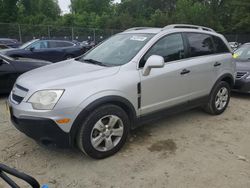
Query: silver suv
point(93, 101)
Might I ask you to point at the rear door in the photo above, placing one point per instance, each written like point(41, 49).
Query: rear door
point(61, 50)
point(201, 64)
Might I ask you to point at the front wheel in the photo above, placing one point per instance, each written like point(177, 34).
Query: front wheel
point(104, 132)
point(219, 99)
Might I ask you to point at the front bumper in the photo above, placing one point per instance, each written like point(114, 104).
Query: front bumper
point(43, 130)
point(242, 85)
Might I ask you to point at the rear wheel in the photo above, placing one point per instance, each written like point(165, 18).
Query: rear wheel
point(104, 132)
point(219, 99)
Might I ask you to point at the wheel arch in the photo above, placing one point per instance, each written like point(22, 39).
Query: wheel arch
point(122, 102)
point(226, 78)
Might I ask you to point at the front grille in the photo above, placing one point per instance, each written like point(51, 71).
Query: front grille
point(240, 75)
point(18, 93)
point(17, 98)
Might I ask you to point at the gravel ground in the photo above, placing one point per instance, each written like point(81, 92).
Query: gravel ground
point(191, 149)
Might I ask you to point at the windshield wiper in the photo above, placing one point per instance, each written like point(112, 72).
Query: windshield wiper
point(92, 61)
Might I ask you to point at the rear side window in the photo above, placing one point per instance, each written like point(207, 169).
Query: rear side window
point(59, 44)
point(170, 47)
point(64, 44)
point(200, 44)
point(220, 46)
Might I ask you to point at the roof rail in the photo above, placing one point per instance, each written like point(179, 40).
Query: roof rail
point(188, 26)
point(138, 28)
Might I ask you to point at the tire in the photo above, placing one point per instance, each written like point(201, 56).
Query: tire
point(219, 99)
point(97, 131)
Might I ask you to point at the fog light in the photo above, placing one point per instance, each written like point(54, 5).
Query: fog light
point(63, 121)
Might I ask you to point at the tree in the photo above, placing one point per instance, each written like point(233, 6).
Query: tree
point(8, 10)
point(89, 6)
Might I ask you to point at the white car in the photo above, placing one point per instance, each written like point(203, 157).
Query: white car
point(93, 101)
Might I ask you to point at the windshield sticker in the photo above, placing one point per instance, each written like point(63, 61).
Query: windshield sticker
point(138, 38)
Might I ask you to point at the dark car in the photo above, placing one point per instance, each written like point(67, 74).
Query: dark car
point(11, 68)
point(88, 44)
point(234, 45)
point(12, 43)
point(242, 56)
point(49, 50)
point(3, 46)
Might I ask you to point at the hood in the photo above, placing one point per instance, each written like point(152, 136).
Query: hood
point(7, 51)
point(64, 74)
point(242, 65)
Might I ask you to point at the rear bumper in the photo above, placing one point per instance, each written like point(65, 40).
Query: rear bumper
point(43, 130)
point(242, 85)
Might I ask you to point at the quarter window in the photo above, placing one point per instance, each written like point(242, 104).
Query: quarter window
point(170, 47)
point(200, 44)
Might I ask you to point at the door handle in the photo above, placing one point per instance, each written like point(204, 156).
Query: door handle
point(185, 71)
point(217, 64)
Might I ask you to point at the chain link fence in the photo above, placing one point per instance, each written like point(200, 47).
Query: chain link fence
point(24, 33)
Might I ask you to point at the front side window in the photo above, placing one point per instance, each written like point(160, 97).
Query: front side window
point(39, 45)
point(199, 44)
point(220, 46)
point(117, 50)
point(170, 47)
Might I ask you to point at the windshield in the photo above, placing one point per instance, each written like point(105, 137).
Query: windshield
point(243, 53)
point(25, 45)
point(117, 50)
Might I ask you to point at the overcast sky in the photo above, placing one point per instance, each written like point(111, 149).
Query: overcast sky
point(64, 5)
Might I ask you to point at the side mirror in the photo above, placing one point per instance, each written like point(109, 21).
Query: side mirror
point(32, 49)
point(154, 61)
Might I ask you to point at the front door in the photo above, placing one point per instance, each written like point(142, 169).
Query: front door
point(7, 76)
point(167, 86)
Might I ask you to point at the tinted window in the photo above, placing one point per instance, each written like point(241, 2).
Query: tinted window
point(220, 46)
point(39, 45)
point(170, 47)
point(199, 44)
point(59, 44)
point(65, 44)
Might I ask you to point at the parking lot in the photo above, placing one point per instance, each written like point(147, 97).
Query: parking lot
point(191, 149)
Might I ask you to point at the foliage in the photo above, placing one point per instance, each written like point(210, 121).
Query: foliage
point(227, 16)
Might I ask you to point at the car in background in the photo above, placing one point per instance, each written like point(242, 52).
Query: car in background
point(3, 46)
point(48, 50)
point(242, 57)
point(234, 45)
point(88, 44)
point(11, 68)
point(12, 43)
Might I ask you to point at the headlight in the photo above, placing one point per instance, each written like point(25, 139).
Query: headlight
point(45, 99)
